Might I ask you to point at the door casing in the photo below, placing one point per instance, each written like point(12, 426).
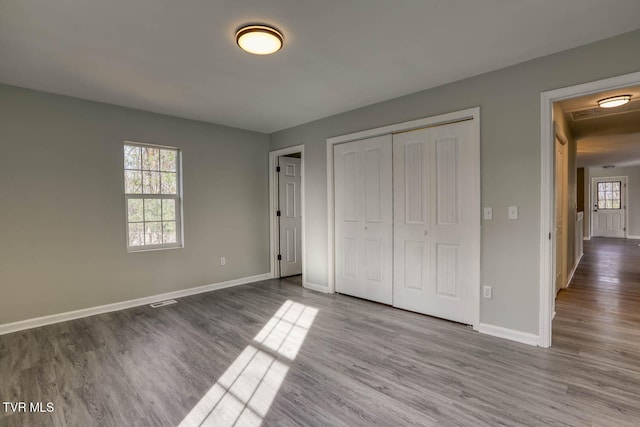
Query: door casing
point(547, 203)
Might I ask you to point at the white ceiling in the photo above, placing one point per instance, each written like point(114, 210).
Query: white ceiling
point(612, 139)
point(180, 57)
point(617, 150)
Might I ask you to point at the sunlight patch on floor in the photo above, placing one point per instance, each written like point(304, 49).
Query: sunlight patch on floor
point(244, 393)
point(285, 332)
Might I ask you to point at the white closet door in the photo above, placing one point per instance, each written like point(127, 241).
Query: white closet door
point(290, 218)
point(364, 218)
point(435, 253)
point(412, 194)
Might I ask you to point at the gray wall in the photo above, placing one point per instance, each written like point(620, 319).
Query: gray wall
point(510, 155)
point(62, 216)
point(633, 183)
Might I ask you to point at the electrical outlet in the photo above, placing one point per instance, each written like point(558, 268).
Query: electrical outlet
point(223, 261)
point(513, 212)
point(486, 292)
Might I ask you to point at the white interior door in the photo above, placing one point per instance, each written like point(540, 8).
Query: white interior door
point(560, 187)
point(364, 218)
point(289, 182)
point(435, 250)
point(609, 210)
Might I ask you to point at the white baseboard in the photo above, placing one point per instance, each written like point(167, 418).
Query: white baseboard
point(315, 287)
point(8, 328)
point(586, 238)
point(509, 334)
point(633, 237)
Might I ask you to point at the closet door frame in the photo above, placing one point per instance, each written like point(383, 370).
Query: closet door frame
point(443, 119)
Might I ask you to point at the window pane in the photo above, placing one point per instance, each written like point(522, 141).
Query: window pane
point(150, 158)
point(616, 195)
point(152, 233)
point(601, 186)
point(608, 204)
point(133, 182)
point(616, 186)
point(168, 183)
point(136, 234)
point(151, 182)
point(152, 171)
point(609, 186)
point(135, 210)
point(168, 160)
point(152, 210)
point(168, 209)
point(616, 204)
point(132, 157)
point(169, 232)
point(601, 204)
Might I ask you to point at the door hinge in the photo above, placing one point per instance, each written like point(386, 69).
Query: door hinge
point(278, 213)
point(278, 169)
point(279, 257)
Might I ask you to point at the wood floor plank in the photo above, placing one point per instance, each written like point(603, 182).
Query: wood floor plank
point(359, 363)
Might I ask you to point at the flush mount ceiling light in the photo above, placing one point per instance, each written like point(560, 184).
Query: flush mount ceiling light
point(259, 39)
point(614, 101)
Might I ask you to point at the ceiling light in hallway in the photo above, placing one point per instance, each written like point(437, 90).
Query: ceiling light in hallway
point(259, 39)
point(614, 101)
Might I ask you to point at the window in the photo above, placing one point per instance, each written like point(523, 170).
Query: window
point(609, 195)
point(152, 196)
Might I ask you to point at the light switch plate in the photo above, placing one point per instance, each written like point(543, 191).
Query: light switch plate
point(513, 212)
point(488, 213)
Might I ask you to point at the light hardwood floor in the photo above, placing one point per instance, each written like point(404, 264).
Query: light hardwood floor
point(360, 363)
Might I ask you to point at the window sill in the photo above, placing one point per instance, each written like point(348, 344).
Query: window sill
point(143, 249)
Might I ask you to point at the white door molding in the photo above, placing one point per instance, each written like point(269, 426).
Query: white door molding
point(547, 219)
point(471, 113)
point(273, 207)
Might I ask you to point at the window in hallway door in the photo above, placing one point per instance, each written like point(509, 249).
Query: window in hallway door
point(609, 195)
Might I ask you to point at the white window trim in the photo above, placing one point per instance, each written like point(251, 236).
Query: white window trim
point(177, 197)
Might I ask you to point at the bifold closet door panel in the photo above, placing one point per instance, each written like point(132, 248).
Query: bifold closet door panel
point(412, 157)
point(364, 218)
point(455, 217)
point(434, 252)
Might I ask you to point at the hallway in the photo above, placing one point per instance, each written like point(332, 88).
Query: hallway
point(598, 315)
